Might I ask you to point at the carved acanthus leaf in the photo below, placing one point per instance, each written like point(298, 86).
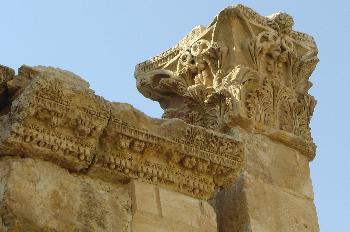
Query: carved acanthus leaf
point(244, 69)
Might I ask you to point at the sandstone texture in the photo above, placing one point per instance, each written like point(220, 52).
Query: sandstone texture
point(231, 153)
point(37, 195)
point(158, 209)
point(72, 161)
point(273, 193)
point(53, 115)
point(247, 76)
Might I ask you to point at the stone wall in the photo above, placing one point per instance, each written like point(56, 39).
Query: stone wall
point(37, 195)
point(158, 209)
point(231, 153)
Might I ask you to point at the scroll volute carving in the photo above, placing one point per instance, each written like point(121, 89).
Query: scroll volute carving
point(243, 69)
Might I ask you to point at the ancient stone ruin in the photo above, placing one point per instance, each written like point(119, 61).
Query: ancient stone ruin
point(231, 153)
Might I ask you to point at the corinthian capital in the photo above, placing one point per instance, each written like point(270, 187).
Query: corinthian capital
point(243, 70)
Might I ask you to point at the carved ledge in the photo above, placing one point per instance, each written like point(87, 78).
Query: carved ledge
point(242, 70)
point(52, 114)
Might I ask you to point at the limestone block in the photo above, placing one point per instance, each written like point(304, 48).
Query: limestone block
point(232, 209)
point(145, 199)
point(282, 210)
point(159, 209)
point(252, 205)
point(278, 165)
point(273, 193)
point(40, 196)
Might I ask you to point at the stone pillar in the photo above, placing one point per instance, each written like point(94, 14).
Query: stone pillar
point(273, 193)
point(247, 76)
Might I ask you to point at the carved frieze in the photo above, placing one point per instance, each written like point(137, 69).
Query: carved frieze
point(242, 70)
point(53, 115)
point(51, 120)
point(195, 160)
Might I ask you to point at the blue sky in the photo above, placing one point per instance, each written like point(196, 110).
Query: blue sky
point(103, 40)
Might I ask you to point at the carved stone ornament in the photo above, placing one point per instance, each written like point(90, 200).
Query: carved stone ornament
point(242, 70)
point(51, 114)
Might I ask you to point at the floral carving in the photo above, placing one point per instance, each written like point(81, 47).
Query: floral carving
point(81, 132)
point(244, 69)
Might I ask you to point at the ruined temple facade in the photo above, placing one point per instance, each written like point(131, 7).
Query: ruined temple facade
point(231, 153)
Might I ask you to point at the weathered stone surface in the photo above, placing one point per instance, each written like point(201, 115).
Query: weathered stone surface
point(40, 196)
point(273, 193)
point(247, 76)
point(242, 70)
point(168, 152)
point(158, 209)
point(278, 165)
point(237, 114)
point(53, 115)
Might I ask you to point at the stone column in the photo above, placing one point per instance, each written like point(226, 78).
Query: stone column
point(247, 76)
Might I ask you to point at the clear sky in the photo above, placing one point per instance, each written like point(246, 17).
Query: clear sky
point(102, 41)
